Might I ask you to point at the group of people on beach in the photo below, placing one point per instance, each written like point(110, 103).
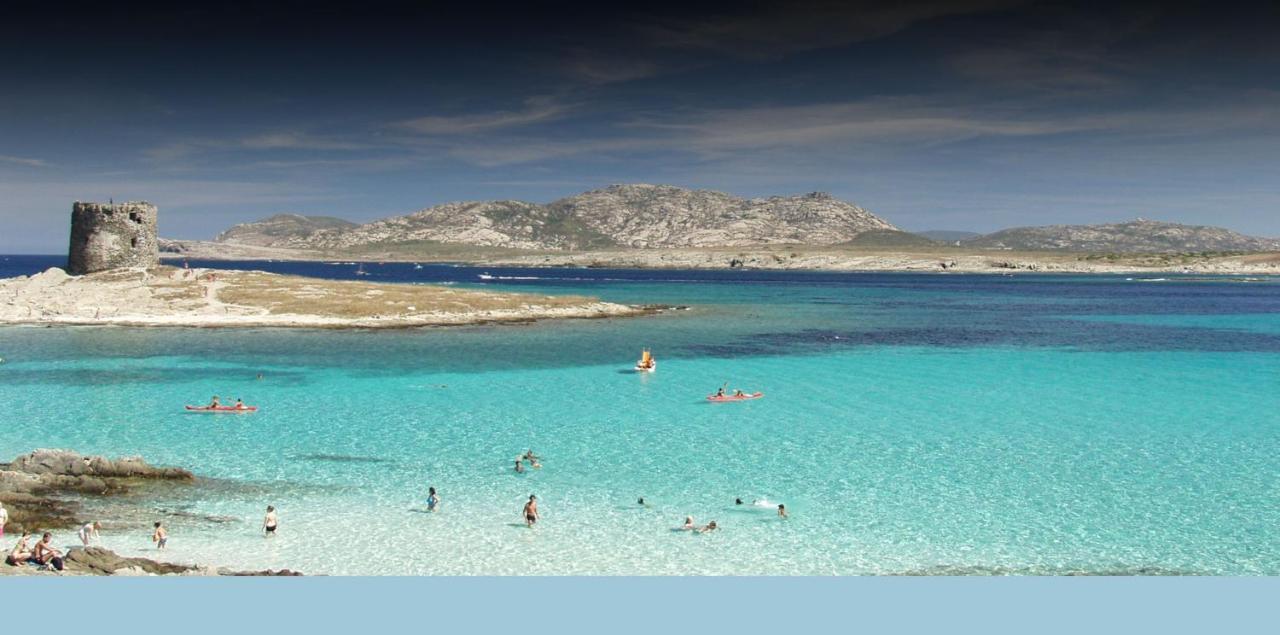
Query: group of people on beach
point(43, 554)
point(46, 556)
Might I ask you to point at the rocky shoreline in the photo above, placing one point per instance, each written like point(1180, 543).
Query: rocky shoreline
point(45, 490)
point(171, 296)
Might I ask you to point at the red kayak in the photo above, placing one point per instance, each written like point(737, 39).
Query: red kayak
point(724, 398)
point(221, 409)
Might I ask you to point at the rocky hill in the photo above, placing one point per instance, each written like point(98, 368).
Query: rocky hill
point(266, 232)
point(1138, 236)
point(616, 216)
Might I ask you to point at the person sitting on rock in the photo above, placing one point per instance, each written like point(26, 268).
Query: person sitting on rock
point(21, 551)
point(45, 554)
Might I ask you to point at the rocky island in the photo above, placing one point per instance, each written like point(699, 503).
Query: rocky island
point(662, 226)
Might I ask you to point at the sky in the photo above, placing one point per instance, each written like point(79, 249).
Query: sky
point(974, 115)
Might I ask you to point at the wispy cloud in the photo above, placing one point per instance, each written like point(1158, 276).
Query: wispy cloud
point(862, 128)
point(26, 161)
point(276, 140)
point(596, 67)
point(535, 110)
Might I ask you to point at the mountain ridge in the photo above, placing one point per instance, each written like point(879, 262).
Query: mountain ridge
point(665, 216)
point(1136, 236)
point(634, 216)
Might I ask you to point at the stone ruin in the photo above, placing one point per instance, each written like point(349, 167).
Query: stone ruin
point(112, 235)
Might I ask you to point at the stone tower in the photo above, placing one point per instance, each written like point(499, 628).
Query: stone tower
point(112, 235)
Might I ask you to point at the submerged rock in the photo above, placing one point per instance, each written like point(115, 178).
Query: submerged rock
point(68, 463)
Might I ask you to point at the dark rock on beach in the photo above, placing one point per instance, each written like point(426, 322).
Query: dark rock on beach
point(38, 488)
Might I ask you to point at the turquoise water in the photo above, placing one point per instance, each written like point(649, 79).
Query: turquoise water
point(911, 424)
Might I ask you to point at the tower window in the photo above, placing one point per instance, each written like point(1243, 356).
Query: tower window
point(133, 242)
point(133, 216)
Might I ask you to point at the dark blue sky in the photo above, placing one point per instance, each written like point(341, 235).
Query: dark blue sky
point(936, 115)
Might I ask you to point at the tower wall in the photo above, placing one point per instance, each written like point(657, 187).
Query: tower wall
point(112, 235)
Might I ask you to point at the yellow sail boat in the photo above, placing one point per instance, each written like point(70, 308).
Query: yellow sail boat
point(647, 363)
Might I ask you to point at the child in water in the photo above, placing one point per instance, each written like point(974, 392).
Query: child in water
point(160, 537)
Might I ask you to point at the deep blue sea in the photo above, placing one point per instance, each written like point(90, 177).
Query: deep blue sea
point(911, 424)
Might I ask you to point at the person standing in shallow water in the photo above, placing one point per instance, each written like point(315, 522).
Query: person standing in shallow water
point(433, 501)
point(270, 522)
point(782, 511)
point(160, 537)
point(531, 511)
point(89, 532)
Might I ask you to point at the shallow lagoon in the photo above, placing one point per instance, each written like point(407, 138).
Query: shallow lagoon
point(911, 424)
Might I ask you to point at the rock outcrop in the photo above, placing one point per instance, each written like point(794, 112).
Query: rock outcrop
point(100, 561)
point(1138, 236)
point(34, 487)
point(644, 216)
point(68, 463)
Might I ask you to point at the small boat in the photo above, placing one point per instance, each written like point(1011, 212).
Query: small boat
point(724, 398)
point(360, 270)
point(485, 276)
point(647, 363)
point(417, 266)
point(222, 409)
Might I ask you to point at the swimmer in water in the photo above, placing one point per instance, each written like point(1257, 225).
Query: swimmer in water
point(519, 466)
point(737, 501)
point(536, 464)
point(640, 502)
point(782, 511)
point(688, 524)
point(711, 526)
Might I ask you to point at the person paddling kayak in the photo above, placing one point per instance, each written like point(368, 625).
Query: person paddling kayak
point(215, 403)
